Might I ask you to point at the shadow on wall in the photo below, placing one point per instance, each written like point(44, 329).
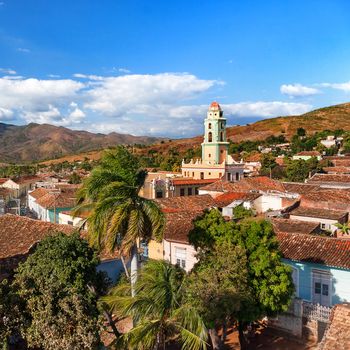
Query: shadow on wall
point(113, 268)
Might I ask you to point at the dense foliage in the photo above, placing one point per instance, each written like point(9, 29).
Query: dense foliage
point(57, 285)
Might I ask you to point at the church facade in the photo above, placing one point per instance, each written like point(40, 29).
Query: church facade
point(216, 162)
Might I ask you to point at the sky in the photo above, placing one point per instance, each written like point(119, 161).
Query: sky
point(152, 67)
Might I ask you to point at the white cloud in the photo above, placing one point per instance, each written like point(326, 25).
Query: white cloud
point(7, 71)
point(88, 76)
point(124, 70)
point(23, 49)
point(338, 86)
point(116, 96)
point(76, 116)
point(298, 90)
point(54, 76)
point(5, 114)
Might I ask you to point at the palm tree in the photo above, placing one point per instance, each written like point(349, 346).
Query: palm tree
point(343, 228)
point(118, 217)
point(159, 310)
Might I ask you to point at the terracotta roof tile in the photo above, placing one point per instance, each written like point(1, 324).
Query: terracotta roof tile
point(337, 335)
point(199, 182)
point(3, 180)
point(333, 252)
point(294, 226)
point(64, 198)
point(337, 170)
point(178, 225)
point(328, 195)
point(300, 188)
point(39, 192)
point(26, 179)
point(309, 153)
point(186, 203)
point(319, 213)
point(259, 183)
point(227, 198)
point(18, 234)
point(329, 178)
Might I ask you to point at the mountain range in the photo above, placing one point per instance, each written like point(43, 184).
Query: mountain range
point(35, 142)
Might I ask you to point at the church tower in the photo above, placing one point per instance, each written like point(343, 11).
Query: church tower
point(215, 145)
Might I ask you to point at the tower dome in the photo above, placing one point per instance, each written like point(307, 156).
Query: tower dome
point(214, 106)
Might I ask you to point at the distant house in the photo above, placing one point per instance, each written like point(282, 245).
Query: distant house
point(48, 203)
point(341, 181)
point(67, 218)
point(332, 141)
point(321, 267)
point(306, 155)
point(19, 236)
point(21, 186)
point(325, 217)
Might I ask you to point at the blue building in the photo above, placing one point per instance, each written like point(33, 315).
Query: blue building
point(321, 267)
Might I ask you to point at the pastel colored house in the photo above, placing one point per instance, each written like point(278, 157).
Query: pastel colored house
point(306, 155)
point(20, 186)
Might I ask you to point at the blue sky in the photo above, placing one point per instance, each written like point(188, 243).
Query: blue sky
point(153, 67)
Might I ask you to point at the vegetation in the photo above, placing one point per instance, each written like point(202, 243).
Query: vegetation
point(269, 286)
point(159, 310)
point(17, 170)
point(53, 296)
point(118, 216)
point(74, 178)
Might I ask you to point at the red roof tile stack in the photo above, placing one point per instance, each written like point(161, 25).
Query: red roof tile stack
point(337, 335)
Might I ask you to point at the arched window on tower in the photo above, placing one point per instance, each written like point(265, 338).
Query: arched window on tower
point(210, 137)
point(221, 136)
point(209, 126)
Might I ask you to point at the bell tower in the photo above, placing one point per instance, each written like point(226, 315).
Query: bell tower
point(215, 145)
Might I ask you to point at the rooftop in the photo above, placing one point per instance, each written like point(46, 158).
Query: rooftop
point(299, 187)
point(64, 198)
point(178, 225)
point(39, 192)
point(337, 170)
point(227, 198)
point(294, 226)
point(258, 183)
point(318, 213)
point(309, 153)
point(337, 335)
point(189, 181)
point(18, 234)
point(333, 252)
point(330, 178)
point(186, 203)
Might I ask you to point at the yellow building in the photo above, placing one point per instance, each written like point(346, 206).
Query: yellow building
point(216, 162)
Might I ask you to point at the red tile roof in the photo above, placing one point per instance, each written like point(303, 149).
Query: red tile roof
point(330, 178)
point(186, 203)
point(259, 183)
point(309, 153)
point(227, 198)
point(199, 182)
point(328, 195)
point(337, 170)
point(337, 335)
point(3, 180)
point(26, 179)
point(39, 192)
point(18, 234)
point(295, 226)
point(178, 225)
point(319, 213)
point(300, 188)
point(64, 198)
point(333, 252)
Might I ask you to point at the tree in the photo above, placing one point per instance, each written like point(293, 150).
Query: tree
point(74, 178)
point(240, 212)
point(270, 285)
point(56, 284)
point(297, 170)
point(119, 217)
point(301, 132)
point(217, 285)
point(159, 309)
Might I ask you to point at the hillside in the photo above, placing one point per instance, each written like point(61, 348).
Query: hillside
point(34, 142)
point(38, 142)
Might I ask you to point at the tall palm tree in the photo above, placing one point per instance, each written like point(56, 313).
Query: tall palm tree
point(118, 217)
point(159, 309)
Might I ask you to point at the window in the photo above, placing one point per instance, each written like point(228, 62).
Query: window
point(323, 226)
point(196, 190)
point(159, 194)
point(70, 222)
point(209, 126)
point(220, 175)
point(321, 287)
point(189, 191)
point(202, 176)
point(317, 288)
point(182, 191)
point(210, 137)
point(222, 125)
point(228, 176)
point(237, 176)
point(209, 173)
point(222, 151)
point(192, 173)
point(180, 256)
point(209, 155)
point(221, 136)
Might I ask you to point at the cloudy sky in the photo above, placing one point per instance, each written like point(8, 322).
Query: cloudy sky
point(153, 67)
